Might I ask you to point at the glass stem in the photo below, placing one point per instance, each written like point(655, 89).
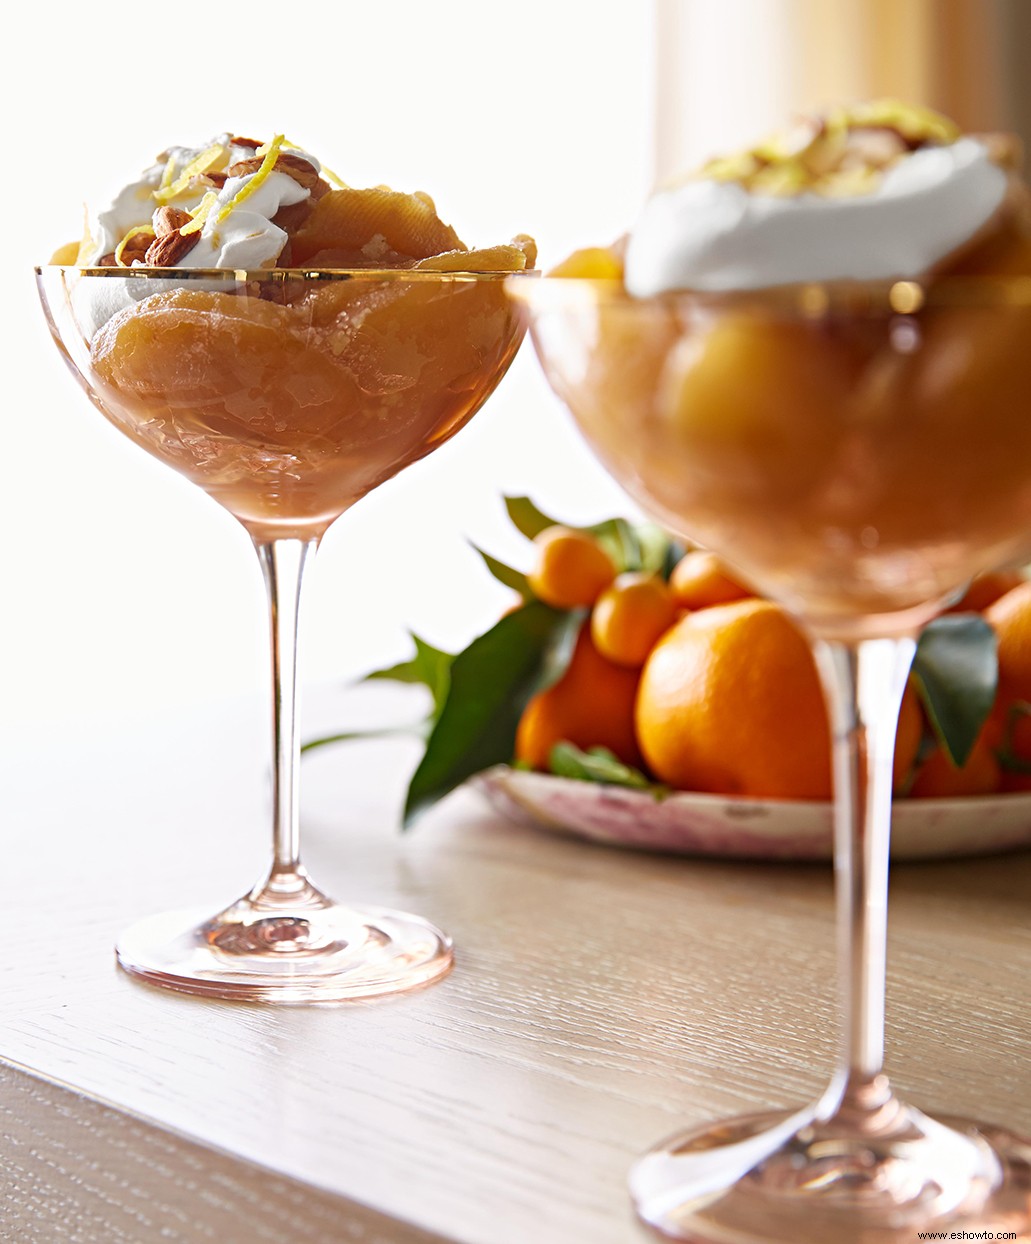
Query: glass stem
point(287, 884)
point(864, 683)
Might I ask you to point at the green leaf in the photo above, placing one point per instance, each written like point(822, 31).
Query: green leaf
point(597, 764)
point(418, 729)
point(619, 539)
point(491, 682)
point(558, 651)
point(675, 551)
point(659, 551)
point(632, 546)
point(527, 518)
point(956, 669)
point(515, 579)
point(430, 666)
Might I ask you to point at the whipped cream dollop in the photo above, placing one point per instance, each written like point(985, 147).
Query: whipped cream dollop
point(237, 229)
point(229, 221)
point(719, 233)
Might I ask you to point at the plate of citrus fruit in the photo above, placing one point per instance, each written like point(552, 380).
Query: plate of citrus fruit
point(639, 693)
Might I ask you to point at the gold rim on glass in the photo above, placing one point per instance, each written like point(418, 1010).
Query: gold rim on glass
point(281, 275)
point(811, 299)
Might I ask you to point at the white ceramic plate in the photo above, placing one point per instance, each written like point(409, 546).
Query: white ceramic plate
point(689, 824)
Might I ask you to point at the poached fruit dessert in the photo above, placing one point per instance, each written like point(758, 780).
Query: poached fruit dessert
point(814, 358)
point(286, 345)
point(817, 356)
point(284, 387)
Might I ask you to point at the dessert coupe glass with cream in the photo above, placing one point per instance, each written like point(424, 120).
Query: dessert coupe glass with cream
point(815, 359)
point(287, 346)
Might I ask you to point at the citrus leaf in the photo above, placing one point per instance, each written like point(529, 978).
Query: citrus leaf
point(643, 546)
point(430, 666)
point(491, 682)
point(515, 579)
point(619, 539)
point(956, 669)
point(659, 551)
point(558, 651)
point(597, 764)
point(675, 552)
point(527, 518)
point(418, 729)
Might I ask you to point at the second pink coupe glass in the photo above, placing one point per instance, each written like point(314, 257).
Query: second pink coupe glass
point(859, 452)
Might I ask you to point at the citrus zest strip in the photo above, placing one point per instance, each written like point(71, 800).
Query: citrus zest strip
point(334, 178)
point(200, 215)
point(168, 175)
point(270, 152)
point(198, 165)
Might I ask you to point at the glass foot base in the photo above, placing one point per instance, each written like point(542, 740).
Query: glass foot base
point(789, 1179)
point(253, 952)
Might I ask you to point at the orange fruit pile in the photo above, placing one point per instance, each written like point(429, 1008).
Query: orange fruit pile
point(707, 687)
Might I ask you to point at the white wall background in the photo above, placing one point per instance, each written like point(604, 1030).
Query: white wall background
point(128, 592)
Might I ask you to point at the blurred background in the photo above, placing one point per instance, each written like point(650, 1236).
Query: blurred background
point(129, 594)
point(725, 68)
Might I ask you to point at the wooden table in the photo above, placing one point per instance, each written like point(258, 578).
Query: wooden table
point(600, 1000)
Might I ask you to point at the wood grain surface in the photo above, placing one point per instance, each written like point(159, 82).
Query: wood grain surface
point(601, 999)
point(74, 1171)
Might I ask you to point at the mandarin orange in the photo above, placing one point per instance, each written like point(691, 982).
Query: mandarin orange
point(1010, 617)
point(730, 702)
point(700, 579)
point(939, 778)
point(571, 568)
point(591, 705)
point(1009, 727)
point(1012, 720)
point(986, 589)
point(630, 616)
